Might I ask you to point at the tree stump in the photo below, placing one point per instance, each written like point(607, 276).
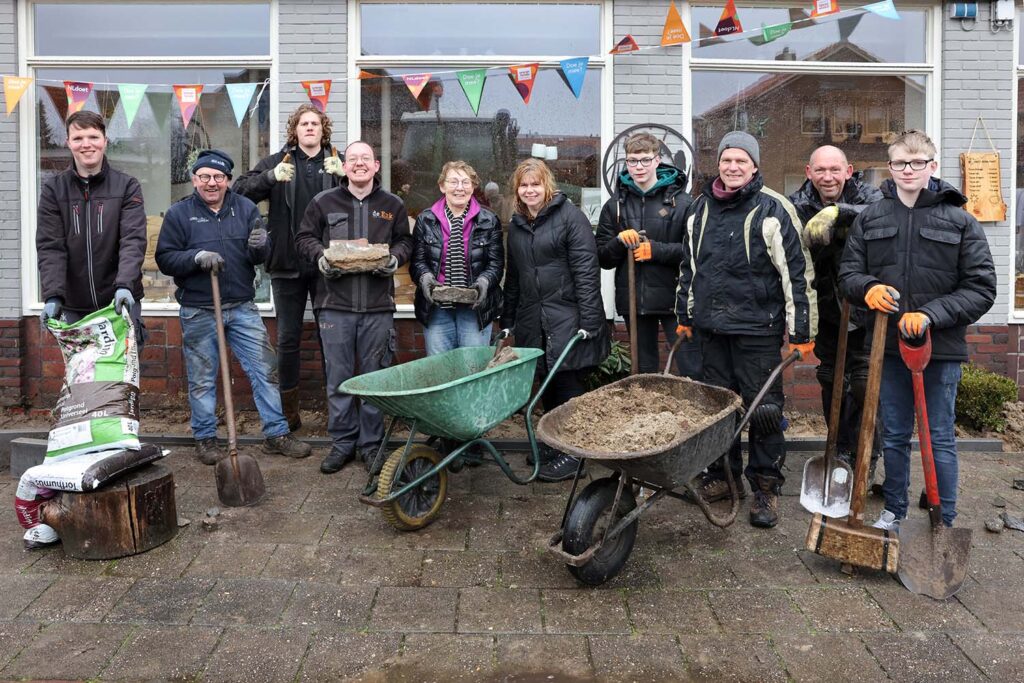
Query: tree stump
point(128, 516)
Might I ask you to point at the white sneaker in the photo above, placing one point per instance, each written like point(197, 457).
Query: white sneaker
point(887, 521)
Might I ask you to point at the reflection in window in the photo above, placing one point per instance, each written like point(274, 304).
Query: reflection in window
point(1018, 300)
point(156, 149)
point(766, 105)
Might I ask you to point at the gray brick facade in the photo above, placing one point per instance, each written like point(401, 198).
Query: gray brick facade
point(10, 198)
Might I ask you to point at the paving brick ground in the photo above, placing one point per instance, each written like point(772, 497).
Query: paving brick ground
point(312, 585)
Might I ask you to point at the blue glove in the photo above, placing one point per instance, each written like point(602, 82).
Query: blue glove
point(51, 309)
point(123, 298)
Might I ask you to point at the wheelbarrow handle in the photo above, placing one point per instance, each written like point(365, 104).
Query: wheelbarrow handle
point(916, 358)
point(793, 356)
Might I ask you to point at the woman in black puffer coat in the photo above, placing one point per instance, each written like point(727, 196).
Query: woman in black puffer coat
point(553, 290)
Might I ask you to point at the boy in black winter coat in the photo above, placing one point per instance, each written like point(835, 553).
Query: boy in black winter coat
point(918, 254)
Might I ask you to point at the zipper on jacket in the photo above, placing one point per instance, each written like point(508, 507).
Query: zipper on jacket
point(99, 209)
point(906, 263)
point(78, 224)
point(640, 287)
point(88, 250)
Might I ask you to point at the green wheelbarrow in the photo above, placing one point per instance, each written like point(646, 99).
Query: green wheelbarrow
point(452, 396)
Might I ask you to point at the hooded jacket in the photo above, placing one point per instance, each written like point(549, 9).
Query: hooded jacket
point(856, 196)
point(553, 285)
point(283, 219)
point(190, 226)
point(744, 268)
point(485, 255)
point(380, 218)
point(90, 238)
point(661, 213)
point(935, 255)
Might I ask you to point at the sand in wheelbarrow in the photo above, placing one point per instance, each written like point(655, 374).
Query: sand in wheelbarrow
point(631, 419)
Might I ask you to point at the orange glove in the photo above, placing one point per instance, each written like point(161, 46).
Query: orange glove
point(684, 331)
point(642, 252)
point(630, 238)
point(805, 350)
point(883, 298)
point(913, 325)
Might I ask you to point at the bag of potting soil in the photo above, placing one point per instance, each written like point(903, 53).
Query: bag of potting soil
point(98, 407)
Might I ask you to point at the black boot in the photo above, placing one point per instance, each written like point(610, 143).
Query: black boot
point(336, 459)
point(764, 509)
point(561, 467)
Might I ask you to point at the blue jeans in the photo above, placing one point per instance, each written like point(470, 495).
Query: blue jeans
point(896, 409)
point(247, 338)
point(454, 328)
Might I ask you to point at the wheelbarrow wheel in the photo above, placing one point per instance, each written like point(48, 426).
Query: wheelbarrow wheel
point(590, 515)
point(420, 506)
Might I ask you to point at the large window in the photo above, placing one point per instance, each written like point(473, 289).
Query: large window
point(156, 148)
point(854, 82)
point(1018, 290)
point(414, 137)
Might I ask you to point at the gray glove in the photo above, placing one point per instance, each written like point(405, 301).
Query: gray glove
point(327, 270)
point(51, 309)
point(427, 284)
point(481, 288)
point(389, 269)
point(210, 261)
point(123, 298)
point(258, 237)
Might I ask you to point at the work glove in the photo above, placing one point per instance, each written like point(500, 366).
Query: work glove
point(427, 284)
point(327, 270)
point(642, 252)
point(805, 350)
point(481, 289)
point(389, 269)
point(51, 309)
point(332, 165)
point(883, 298)
point(210, 261)
point(820, 228)
point(629, 238)
point(284, 171)
point(258, 236)
point(123, 299)
point(913, 325)
point(684, 331)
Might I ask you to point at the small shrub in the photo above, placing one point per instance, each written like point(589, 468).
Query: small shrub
point(613, 368)
point(980, 398)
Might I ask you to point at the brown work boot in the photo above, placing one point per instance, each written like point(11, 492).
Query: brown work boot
point(290, 408)
point(764, 509)
point(712, 489)
point(286, 444)
point(208, 451)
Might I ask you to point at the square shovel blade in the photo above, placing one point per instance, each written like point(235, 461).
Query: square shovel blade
point(933, 561)
point(833, 502)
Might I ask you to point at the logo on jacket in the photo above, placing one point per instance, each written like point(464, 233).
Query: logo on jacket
point(386, 215)
point(199, 219)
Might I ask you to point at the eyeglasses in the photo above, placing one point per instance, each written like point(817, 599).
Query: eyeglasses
point(916, 164)
point(216, 177)
point(459, 182)
point(645, 162)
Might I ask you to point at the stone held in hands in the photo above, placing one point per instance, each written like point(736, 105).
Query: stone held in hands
point(357, 256)
point(443, 294)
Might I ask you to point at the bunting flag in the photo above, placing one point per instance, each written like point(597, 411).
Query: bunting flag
point(775, 31)
point(188, 99)
point(729, 22)
point(318, 93)
point(416, 83)
point(823, 7)
point(573, 72)
point(675, 32)
point(523, 76)
point(472, 82)
point(131, 98)
point(14, 88)
point(78, 93)
point(883, 9)
point(366, 75)
point(240, 95)
point(627, 44)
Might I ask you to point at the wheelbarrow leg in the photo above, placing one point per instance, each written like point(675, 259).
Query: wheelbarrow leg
point(378, 459)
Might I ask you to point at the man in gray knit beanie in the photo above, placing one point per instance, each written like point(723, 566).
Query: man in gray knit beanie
point(737, 139)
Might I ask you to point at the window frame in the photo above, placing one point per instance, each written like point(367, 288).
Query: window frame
point(1016, 315)
point(29, 63)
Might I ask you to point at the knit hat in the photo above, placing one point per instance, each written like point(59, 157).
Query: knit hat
point(737, 139)
point(215, 159)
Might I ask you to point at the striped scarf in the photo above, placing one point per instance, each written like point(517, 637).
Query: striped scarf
point(455, 260)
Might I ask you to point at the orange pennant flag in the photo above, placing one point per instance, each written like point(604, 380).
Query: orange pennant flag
point(14, 88)
point(188, 100)
point(364, 75)
point(729, 22)
point(823, 7)
point(523, 76)
point(674, 32)
point(627, 44)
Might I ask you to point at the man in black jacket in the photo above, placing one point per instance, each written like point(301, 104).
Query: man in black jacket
point(305, 166)
point(918, 254)
point(828, 202)
point(91, 232)
point(651, 200)
point(745, 281)
point(355, 311)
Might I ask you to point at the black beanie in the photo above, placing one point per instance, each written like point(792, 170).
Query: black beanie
point(215, 159)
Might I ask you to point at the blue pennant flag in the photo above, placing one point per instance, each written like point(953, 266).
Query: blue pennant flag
point(883, 9)
point(573, 72)
point(240, 94)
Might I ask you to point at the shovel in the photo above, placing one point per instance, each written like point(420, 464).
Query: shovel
point(827, 483)
point(933, 559)
point(239, 480)
point(850, 541)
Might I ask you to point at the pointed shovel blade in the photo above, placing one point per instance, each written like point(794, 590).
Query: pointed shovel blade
point(835, 502)
point(239, 481)
point(933, 561)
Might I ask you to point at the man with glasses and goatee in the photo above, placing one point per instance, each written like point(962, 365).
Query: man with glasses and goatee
point(215, 230)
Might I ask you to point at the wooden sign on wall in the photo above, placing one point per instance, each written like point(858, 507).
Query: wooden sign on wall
point(982, 185)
